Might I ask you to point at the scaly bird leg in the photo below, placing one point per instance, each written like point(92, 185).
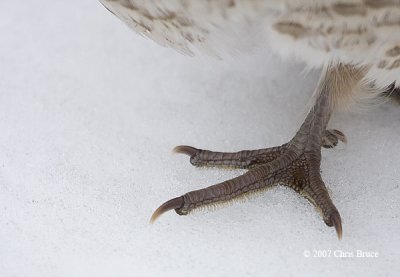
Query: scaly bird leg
point(247, 159)
point(295, 164)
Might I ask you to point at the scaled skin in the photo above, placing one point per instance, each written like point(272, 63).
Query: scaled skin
point(356, 44)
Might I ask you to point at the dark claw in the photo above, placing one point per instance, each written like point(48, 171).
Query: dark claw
point(340, 135)
point(175, 203)
point(336, 221)
point(332, 137)
point(187, 150)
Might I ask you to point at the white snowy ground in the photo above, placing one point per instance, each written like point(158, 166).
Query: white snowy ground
point(89, 113)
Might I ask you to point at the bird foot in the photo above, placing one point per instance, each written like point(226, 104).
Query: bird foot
point(295, 164)
point(291, 164)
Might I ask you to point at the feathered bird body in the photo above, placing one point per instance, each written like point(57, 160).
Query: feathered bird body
point(359, 32)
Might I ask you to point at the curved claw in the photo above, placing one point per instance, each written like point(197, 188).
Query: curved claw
point(185, 149)
point(337, 223)
point(174, 203)
point(340, 136)
point(332, 137)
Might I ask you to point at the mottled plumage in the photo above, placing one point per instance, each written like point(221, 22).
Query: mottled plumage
point(362, 32)
point(356, 43)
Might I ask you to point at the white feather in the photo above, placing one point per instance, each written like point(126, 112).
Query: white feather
point(358, 32)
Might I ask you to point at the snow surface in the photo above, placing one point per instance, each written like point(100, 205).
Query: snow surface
point(89, 113)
